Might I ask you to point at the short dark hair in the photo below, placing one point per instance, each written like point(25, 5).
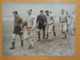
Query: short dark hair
point(30, 9)
point(47, 11)
point(15, 12)
point(41, 10)
point(62, 9)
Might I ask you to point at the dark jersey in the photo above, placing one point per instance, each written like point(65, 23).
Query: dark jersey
point(17, 21)
point(41, 19)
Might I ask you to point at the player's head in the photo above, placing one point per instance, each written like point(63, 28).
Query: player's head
point(50, 12)
point(15, 12)
point(62, 11)
point(47, 12)
point(41, 12)
point(29, 12)
point(67, 12)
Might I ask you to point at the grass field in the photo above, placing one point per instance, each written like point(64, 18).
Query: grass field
point(55, 47)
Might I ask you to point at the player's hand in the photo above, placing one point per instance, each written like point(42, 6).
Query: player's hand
point(45, 23)
point(36, 25)
point(21, 31)
point(32, 29)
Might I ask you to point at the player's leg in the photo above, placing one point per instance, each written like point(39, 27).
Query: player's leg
point(39, 29)
point(21, 40)
point(65, 30)
point(13, 41)
point(39, 34)
point(62, 30)
point(20, 32)
point(64, 33)
point(29, 37)
point(54, 33)
point(31, 40)
point(50, 31)
point(47, 31)
point(32, 35)
point(43, 28)
point(61, 27)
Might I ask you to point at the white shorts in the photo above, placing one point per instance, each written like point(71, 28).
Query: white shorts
point(63, 27)
point(73, 26)
point(50, 28)
point(25, 35)
point(28, 34)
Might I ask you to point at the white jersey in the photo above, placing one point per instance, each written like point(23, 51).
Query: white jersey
point(69, 20)
point(32, 24)
point(63, 18)
point(31, 21)
point(49, 19)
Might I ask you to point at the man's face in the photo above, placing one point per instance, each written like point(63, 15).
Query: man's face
point(41, 13)
point(14, 14)
point(29, 12)
point(62, 11)
point(47, 13)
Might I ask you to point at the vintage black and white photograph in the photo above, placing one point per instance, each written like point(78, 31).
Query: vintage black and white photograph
point(38, 29)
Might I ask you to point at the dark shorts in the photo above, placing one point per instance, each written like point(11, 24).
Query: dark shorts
point(17, 30)
point(41, 26)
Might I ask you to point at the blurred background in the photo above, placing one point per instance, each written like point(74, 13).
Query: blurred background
point(22, 8)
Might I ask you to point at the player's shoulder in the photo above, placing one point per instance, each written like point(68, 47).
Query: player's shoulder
point(38, 15)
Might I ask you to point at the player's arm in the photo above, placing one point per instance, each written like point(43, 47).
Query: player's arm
point(59, 20)
point(21, 21)
point(52, 18)
point(45, 21)
point(37, 20)
point(34, 23)
point(66, 20)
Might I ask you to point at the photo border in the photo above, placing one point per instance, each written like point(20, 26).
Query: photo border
point(77, 34)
